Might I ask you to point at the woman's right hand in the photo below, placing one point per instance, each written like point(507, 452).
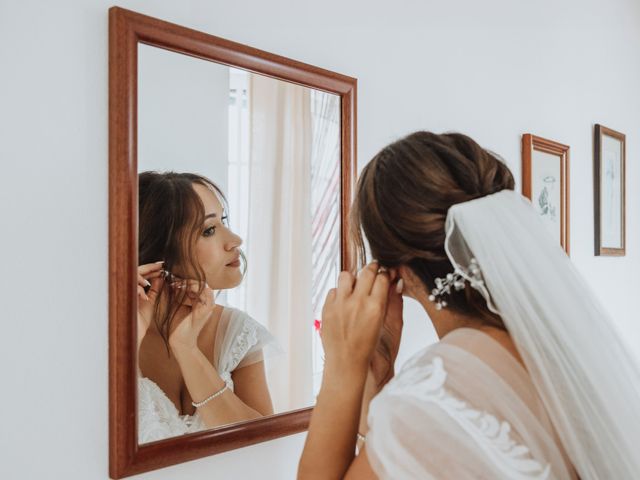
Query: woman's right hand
point(200, 298)
point(149, 274)
point(352, 317)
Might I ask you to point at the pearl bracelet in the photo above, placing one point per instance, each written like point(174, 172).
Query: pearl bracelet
point(208, 399)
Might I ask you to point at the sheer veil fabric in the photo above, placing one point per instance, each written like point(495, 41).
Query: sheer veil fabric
point(581, 374)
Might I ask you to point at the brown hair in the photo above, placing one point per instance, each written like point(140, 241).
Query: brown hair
point(402, 200)
point(170, 216)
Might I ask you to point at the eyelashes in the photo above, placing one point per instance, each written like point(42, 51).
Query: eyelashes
point(212, 229)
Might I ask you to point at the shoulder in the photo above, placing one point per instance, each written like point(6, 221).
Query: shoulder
point(424, 377)
point(235, 315)
point(423, 374)
point(426, 373)
point(240, 324)
point(240, 335)
point(441, 386)
point(237, 319)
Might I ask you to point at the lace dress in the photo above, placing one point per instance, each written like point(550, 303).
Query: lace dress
point(239, 342)
point(463, 408)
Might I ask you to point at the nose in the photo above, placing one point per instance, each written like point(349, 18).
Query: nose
point(234, 241)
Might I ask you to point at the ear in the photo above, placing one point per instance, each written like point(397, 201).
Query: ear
point(413, 286)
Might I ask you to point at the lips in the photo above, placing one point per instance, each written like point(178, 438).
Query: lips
point(235, 263)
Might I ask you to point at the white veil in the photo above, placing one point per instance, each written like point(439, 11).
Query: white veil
point(588, 381)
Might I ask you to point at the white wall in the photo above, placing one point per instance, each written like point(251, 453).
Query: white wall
point(493, 69)
point(183, 114)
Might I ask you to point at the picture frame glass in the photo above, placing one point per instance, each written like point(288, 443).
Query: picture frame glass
point(546, 190)
point(611, 193)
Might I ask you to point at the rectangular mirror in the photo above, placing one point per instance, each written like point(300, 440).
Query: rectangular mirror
point(234, 167)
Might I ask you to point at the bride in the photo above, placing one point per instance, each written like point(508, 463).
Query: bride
point(201, 364)
point(529, 380)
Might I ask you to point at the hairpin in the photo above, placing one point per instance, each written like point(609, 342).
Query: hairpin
point(456, 280)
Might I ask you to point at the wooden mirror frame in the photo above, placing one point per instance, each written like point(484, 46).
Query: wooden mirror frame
point(126, 30)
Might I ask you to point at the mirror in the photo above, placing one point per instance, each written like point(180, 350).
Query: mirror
point(234, 167)
point(263, 157)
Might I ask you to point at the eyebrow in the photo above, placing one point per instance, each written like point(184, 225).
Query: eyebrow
point(213, 215)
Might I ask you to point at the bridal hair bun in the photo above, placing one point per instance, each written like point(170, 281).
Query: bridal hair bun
point(402, 199)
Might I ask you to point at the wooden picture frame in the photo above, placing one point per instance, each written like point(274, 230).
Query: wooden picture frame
point(545, 181)
point(126, 30)
point(609, 191)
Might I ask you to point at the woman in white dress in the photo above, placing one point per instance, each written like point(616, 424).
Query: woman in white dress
point(201, 364)
point(529, 380)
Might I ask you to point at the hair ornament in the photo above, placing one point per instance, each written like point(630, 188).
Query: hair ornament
point(456, 281)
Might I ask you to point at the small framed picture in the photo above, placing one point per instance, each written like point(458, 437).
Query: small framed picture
point(545, 181)
point(609, 191)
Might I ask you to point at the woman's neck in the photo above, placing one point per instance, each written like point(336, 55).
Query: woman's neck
point(445, 321)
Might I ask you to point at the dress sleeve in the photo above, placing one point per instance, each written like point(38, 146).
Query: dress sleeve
point(260, 340)
point(419, 429)
point(244, 342)
point(407, 440)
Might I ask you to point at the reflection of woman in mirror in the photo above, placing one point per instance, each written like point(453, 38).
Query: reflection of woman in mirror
point(201, 363)
point(529, 377)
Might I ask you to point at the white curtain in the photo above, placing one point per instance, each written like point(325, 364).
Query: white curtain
point(279, 280)
point(325, 209)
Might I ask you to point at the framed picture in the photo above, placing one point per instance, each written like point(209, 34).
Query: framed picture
point(545, 181)
point(609, 191)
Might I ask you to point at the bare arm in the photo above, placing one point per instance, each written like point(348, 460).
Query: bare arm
point(202, 379)
point(251, 386)
point(351, 321)
point(370, 391)
point(360, 468)
point(149, 275)
point(330, 446)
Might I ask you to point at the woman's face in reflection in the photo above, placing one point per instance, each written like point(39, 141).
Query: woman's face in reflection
point(217, 246)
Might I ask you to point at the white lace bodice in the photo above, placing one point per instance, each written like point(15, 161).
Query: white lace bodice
point(239, 342)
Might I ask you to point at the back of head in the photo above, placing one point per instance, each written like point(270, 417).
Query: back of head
point(403, 197)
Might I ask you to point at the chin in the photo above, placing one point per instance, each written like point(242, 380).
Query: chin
point(235, 283)
point(228, 282)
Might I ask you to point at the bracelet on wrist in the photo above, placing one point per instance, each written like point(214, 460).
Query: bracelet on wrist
point(211, 397)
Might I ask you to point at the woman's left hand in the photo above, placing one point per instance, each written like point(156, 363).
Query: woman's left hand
point(352, 317)
point(185, 335)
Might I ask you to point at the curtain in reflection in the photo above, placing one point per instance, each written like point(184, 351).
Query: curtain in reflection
point(325, 209)
point(279, 283)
